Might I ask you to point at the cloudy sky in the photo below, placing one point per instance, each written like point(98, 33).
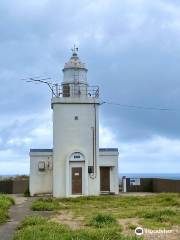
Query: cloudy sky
point(132, 51)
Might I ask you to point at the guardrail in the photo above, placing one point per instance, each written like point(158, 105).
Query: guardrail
point(75, 90)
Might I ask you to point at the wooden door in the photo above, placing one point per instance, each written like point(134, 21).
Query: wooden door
point(104, 179)
point(77, 180)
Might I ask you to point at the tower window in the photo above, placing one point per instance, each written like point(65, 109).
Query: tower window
point(76, 118)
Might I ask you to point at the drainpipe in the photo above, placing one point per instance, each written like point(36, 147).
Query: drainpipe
point(124, 184)
point(93, 176)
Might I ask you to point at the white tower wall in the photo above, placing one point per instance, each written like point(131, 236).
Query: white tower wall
point(70, 135)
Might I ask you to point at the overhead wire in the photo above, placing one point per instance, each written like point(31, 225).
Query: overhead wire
point(141, 107)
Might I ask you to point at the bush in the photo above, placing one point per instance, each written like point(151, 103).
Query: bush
point(102, 220)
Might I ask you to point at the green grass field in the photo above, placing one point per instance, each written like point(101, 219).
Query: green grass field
point(101, 218)
point(5, 203)
point(154, 211)
point(39, 228)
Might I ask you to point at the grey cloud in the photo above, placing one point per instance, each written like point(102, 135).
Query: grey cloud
point(131, 49)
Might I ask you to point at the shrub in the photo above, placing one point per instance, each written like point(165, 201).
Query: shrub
point(102, 220)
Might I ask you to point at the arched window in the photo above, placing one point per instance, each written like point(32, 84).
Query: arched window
point(76, 157)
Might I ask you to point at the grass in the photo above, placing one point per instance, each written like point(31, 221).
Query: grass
point(27, 193)
point(103, 220)
point(131, 226)
point(36, 227)
point(48, 204)
point(5, 203)
point(153, 211)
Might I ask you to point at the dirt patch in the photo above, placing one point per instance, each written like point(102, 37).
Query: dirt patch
point(18, 198)
point(127, 223)
point(66, 217)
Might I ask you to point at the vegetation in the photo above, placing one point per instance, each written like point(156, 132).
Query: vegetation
point(15, 177)
point(5, 203)
point(48, 204)
point(27, 193)
point(35, 227)
point(103, 220)
point(152, 211)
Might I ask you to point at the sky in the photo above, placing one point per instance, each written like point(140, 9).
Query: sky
point(132, 51)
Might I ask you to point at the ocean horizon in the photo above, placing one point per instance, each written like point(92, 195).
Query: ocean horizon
point(173, 176)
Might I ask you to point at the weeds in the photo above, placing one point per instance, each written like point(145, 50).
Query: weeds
point(5, 203)
point(153, 211)
point(40, 228)
point(48, 204)
point(103, 220)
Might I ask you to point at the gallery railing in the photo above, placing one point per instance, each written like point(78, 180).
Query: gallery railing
point(68, 90)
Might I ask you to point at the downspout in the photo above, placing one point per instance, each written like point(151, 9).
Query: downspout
point(94, 147)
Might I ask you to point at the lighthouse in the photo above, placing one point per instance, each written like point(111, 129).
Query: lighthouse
point(76, 165)
point(75, 132)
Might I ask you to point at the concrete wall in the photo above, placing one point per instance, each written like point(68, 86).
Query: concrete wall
point(70, 135)
point(14, 186)
point(110, 159)
point(146, 185)
point(40, 181)
point(166, 185)
point(154, 185)
point(6, 186)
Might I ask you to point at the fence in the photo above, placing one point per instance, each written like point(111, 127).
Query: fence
point(166, 185)
point(14, 186)
point(152, 185)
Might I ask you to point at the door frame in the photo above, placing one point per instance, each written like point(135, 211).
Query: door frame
point(78, 169)
point(71, 162)
point(76, 165)
point(109, 187)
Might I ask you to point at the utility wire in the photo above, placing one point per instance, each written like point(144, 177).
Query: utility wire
point(138, 107)
point(134, 107)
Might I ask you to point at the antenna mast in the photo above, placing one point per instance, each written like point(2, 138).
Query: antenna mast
point(43, 81)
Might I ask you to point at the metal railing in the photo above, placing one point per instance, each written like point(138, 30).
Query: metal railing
point(77, 90)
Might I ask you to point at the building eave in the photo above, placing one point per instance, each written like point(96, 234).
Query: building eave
point(41, 152)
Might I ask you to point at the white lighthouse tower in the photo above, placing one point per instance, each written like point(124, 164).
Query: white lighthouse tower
point(75, 133)
point(76, 165)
